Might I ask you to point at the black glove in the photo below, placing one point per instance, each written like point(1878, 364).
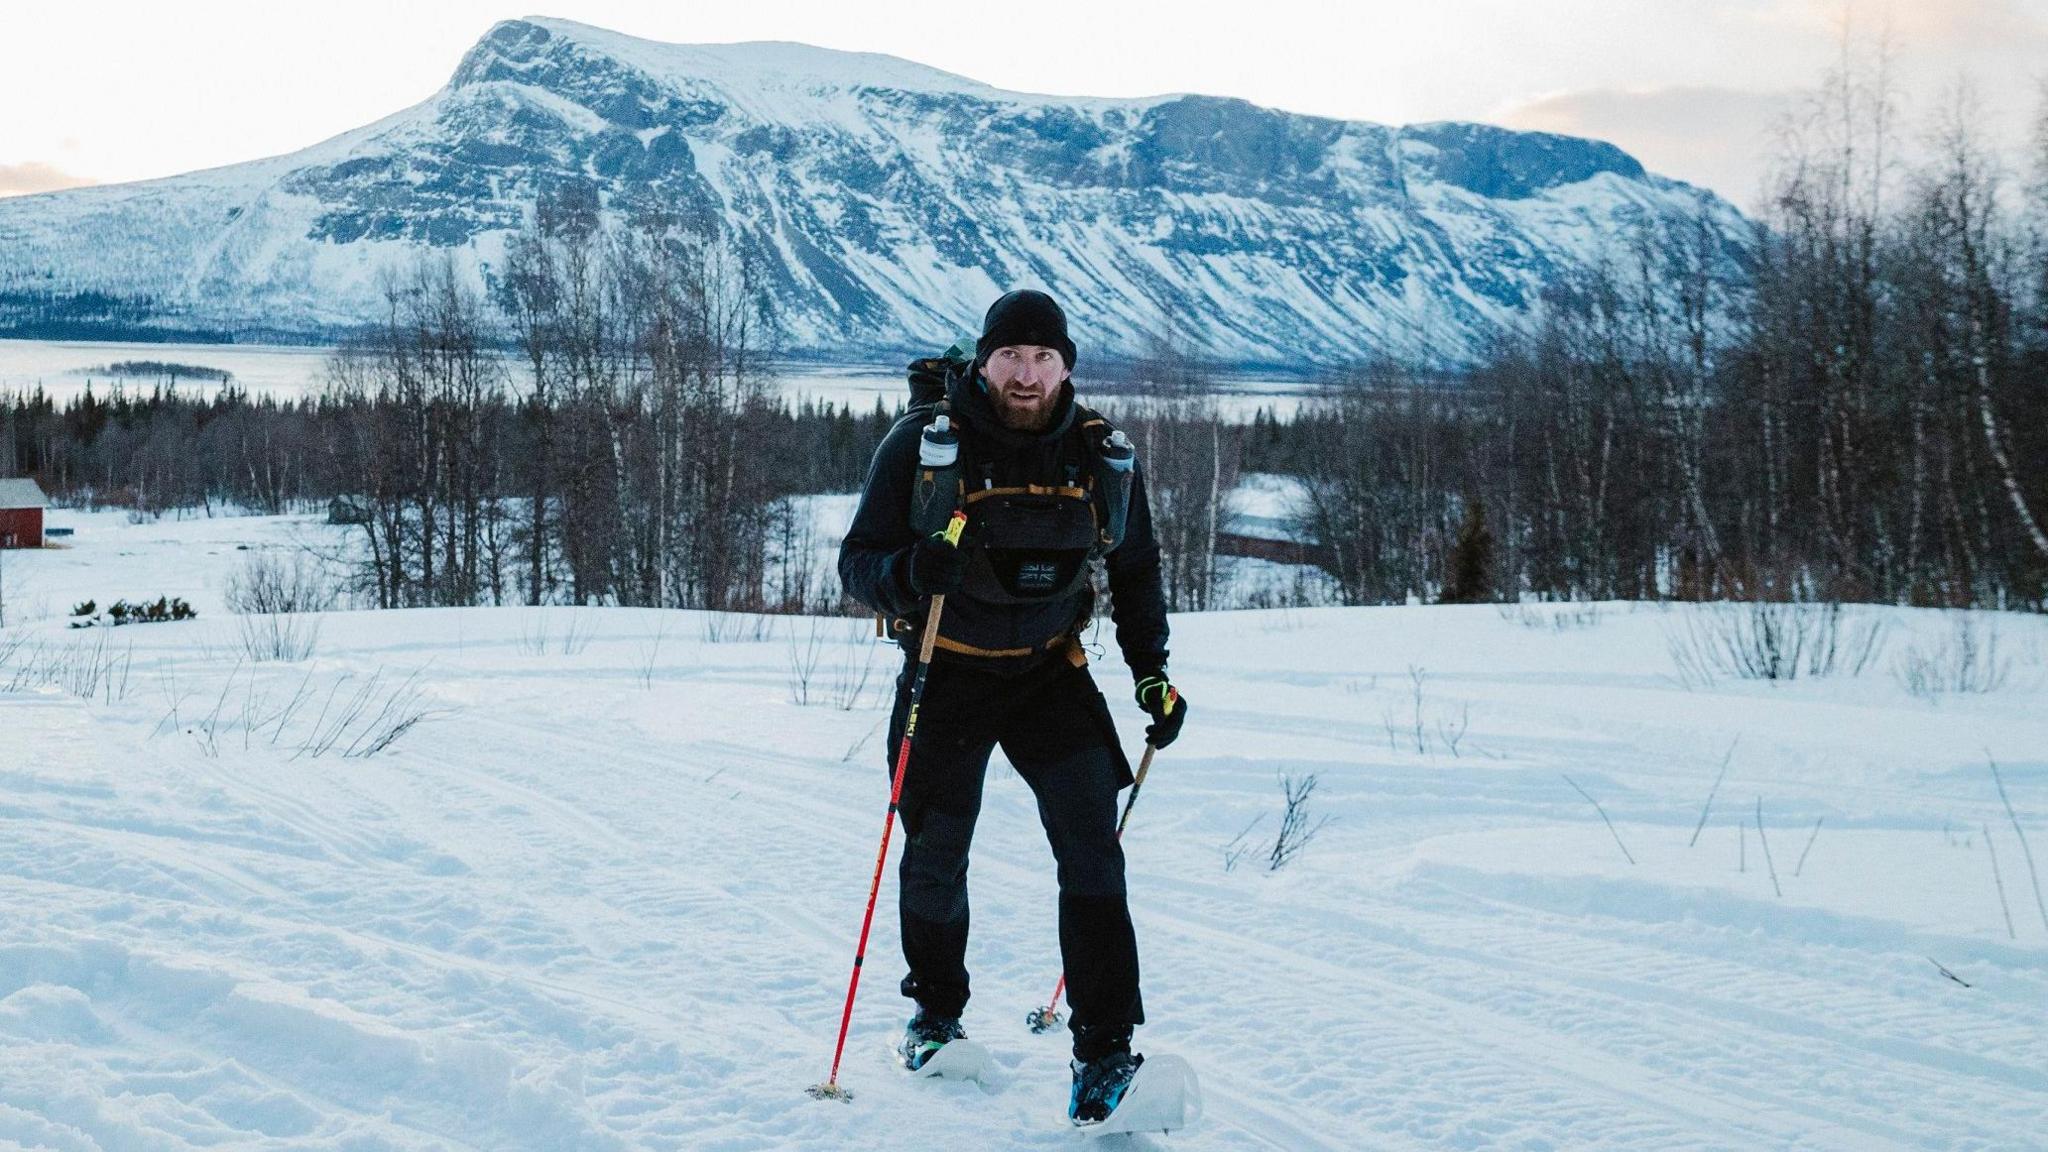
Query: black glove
point(1167, 707)
point(936, 567)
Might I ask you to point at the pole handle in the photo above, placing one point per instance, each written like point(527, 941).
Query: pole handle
point(954, 527)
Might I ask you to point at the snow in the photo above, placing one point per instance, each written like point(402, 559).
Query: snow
point(1267, 506)
point(605, 894)
point(765, 64)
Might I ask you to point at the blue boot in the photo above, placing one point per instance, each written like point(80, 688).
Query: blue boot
point(1099, 1086)
point(926, 1035)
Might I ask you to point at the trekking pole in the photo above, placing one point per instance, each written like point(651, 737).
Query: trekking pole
point(830, 1089)
point(1046, 1019)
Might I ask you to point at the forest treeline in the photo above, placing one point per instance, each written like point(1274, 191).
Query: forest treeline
point(1869, 422)
point(1865, 419)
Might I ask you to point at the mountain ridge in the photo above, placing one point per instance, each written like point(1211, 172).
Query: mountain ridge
point(885, 202)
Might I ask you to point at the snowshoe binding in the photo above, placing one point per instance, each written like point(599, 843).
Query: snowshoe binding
point(1125, 1093)
point(924, 1036)
point(1099, 1086)
point(936, 1046)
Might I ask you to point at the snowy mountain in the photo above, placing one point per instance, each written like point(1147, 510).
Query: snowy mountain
point(887, 203)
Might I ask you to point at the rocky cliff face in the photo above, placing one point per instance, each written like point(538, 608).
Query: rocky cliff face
point(884, 204)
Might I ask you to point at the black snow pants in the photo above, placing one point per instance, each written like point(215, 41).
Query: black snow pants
point(1055, 728)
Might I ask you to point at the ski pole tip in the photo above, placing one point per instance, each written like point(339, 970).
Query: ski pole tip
point(829, 1091)
point(1043, 1020)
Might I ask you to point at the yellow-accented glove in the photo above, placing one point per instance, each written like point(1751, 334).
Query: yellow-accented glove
point(1167, 707)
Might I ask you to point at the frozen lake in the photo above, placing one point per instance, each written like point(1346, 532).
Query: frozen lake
point(63, 368)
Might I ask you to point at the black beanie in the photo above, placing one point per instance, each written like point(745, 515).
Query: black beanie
point(1025, 317)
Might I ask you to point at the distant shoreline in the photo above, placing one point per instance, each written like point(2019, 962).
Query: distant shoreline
point(157, 370)
point(1096, 370)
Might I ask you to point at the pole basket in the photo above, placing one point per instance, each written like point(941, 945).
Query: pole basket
point(829, 1091)
point(1043, 1020)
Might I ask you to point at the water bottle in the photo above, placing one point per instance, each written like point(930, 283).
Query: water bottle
point(1118, 466)
point(937, 490)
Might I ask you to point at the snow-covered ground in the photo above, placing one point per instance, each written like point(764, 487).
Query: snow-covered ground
point(604, 894)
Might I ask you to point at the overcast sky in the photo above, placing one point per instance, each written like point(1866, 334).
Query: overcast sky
point(116, 90)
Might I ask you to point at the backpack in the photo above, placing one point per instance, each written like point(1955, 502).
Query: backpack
point(930, 376)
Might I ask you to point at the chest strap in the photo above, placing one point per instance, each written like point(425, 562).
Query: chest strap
point(1072, 491)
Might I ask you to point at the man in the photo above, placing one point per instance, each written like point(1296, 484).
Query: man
point(1009, 670)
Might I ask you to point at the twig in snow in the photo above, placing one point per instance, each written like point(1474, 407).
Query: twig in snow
point(2025, 849)
point(1603, 816)
point(1297, 827)
point(291, 708)
point(854, 748)
point(1709, 805)
point(320, 721)
point(1945, 972)
point(1238, 848)
point(1766, 842)
point(365, 723)
point(1451, 736)
point(177, 723)
point(210, 742)
point(650, 654)
point(1999, 880)
point(394, 718)
point(1415, 678)
point(1811, 837)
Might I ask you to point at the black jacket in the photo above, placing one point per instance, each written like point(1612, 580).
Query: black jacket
point(874, 559)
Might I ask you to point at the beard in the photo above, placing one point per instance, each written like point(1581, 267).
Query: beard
point(1032, 415)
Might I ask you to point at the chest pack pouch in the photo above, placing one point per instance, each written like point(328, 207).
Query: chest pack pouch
point(1034, 542)
point(1031, 543)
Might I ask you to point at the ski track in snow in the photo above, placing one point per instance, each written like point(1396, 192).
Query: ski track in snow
point(571, 911)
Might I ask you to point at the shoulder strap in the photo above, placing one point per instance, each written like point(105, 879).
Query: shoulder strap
point(1090, 430)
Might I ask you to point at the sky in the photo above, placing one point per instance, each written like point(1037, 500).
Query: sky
point(117, 90)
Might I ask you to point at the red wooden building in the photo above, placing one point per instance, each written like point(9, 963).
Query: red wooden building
point(21, 514)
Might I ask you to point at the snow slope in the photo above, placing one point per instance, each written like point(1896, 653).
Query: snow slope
point(605, 896)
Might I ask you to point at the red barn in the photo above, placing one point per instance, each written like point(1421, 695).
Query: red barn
point(21, 514)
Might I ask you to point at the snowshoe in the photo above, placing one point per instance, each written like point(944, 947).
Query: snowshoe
point(1126, 1093)
point(936, 1046)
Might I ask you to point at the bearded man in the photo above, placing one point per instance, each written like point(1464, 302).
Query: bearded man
point(1051, 492)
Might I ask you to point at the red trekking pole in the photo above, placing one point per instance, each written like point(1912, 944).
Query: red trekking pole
point(1048, 1018)
point(830, 1089)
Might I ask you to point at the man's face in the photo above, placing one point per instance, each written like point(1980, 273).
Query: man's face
point(1023, 382)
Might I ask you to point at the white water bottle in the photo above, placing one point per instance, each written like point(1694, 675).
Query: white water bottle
point(937, 491)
